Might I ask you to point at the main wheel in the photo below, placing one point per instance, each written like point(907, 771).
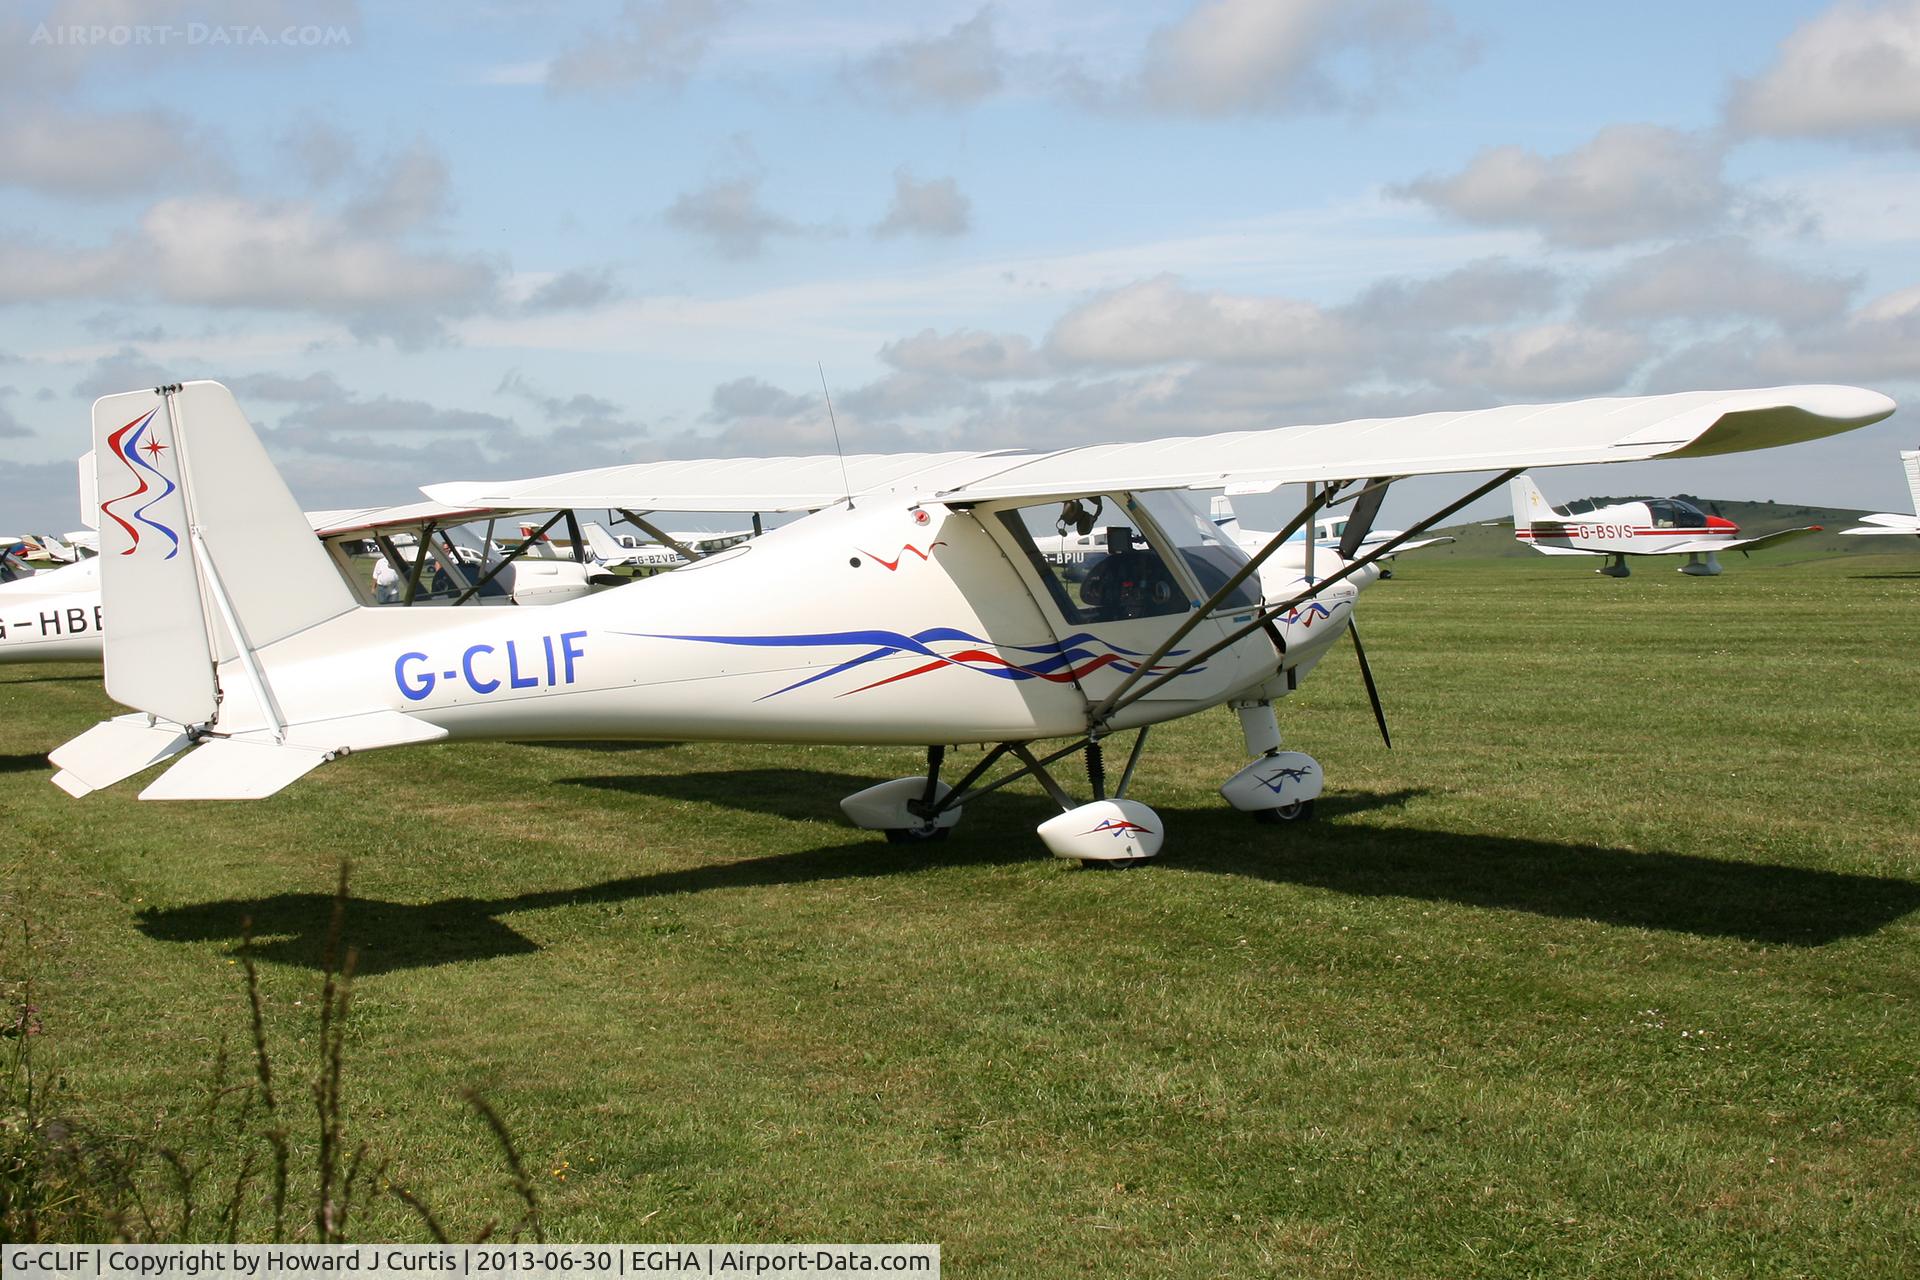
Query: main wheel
point(917, 835)
point(1298, 811)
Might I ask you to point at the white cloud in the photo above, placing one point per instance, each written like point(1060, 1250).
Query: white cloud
point(728, 213)
point(410, 190)
point(1160, 321)
point(656, 42)
point(319, 387)
point(104, 156)
point(1874, 345)
point(11, 428)
point(222, 251)
point(1489, 291)
point(125, 369)
point(932, 208)
point(1232, 56)
point(956, 69)
point(580, 289)
point(1630, 182)
point(966, 353)
point(908, 395)
point(1853, 71)
point(1715, 279)
point(1545, 360)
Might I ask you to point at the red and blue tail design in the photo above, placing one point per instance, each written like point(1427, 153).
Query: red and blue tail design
point(1061, 661)
point(126, 445)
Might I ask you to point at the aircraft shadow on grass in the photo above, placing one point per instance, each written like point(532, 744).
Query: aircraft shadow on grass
point(1682, 893)
point(25, 764)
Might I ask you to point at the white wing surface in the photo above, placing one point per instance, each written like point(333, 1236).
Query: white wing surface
point(1738, 544)
point(1686, 425)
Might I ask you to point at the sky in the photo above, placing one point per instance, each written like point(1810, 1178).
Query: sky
point(442, 241)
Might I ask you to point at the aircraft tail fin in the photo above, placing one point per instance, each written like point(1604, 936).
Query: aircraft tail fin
point(1910, 458)
point(207, 563)
point(89, 493)
point(1225, 518)
point(204, 552)
point(1529, 504)
point(601, 544)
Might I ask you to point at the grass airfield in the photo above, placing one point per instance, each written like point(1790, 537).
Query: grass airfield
point(1612, 963)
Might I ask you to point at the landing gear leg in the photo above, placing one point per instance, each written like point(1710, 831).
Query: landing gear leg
point(907, 810)
point(1279, 786)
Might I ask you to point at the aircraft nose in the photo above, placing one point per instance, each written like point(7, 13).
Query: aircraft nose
point(1721, 522)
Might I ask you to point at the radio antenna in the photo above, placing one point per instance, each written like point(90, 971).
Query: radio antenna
point(835, 424)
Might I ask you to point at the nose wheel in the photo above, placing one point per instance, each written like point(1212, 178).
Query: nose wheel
point(1298, 811)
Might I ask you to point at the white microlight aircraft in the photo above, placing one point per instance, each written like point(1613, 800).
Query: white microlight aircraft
point(912, 608)
point(1656, 527)
point(1887, 524)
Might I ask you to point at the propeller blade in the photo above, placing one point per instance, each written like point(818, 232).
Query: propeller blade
point(1373, 693)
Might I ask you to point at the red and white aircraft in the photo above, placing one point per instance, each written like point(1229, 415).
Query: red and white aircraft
point(1893, 523)
point(1656, 527)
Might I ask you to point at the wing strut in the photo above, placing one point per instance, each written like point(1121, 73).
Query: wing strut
point(1267, 615)
point(659, 535)
point(509, 558)
point(1112, 703)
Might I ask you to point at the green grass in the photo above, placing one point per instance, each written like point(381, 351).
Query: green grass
point(1611, 964)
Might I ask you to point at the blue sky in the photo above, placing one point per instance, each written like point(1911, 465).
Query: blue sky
point(446, 241)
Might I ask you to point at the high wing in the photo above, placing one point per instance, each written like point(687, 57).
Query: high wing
point(1703, 545)
point(1886, 525)
point(724, 484)
point(411, 515)
point(1685, 425)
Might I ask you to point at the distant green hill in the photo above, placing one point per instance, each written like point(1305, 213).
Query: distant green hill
point(1495, 540)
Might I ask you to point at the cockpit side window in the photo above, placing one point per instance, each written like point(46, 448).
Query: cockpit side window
point(1674, 513)
point(1210, 555)
point(1120, 576)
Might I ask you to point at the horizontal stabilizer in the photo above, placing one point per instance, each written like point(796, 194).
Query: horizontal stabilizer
point(235, 769)
point(113, 750)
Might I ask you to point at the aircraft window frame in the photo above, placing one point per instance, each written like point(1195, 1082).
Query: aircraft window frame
point(1150, 540)
point(1204, 573)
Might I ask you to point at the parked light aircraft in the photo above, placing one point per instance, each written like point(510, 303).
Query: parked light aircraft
point(52, 616)
point(912, 608)
point(1656, 527)
point(608, 553)
point(1894, 523)
point(56, 615)
point(1328, 531)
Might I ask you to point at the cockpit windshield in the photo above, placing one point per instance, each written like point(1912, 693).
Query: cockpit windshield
point(1676, 513)
point(1210, 554)
point(1100, 564)
point(1095, 561)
